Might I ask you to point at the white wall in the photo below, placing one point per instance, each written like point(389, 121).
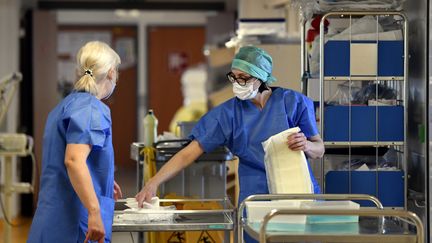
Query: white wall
point(286, 64)
point(142, 19)
point(9, 54)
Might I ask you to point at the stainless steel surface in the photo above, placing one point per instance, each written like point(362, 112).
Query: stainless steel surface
point(135, 150)
point(136, 155)
point(166, 149)
point(303, 58)
point(139, 158)
point(185, 128)
point(204, 190)
point(217, 219)
point(241, 221)
point(185, 222)
point(407, 104)
point(363, 143)
point(368, 231)
point(363, 78)
point(419, 93)
point(205, 178)
point(428, 168)
point(321, 97)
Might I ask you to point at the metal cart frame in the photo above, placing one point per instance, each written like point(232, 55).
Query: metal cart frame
point(135, 154)
point(322, 79)
point(345, 238)
point(241, 221)
point(228, 224)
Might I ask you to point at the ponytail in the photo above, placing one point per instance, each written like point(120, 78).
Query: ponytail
point(86, 83)
point(94, 60)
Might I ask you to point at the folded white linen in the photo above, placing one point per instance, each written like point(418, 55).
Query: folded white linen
point(287, 170)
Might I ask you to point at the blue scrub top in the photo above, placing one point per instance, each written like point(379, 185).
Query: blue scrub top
point(60, 216)
point(242, 127)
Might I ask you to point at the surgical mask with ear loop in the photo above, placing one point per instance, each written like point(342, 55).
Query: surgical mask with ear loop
point(113, 85)
point(245, 92)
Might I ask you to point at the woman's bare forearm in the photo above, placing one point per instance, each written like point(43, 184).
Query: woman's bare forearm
point(315, 147)
point(79, 175)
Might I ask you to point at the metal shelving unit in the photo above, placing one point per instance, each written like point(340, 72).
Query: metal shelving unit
point(355, 138)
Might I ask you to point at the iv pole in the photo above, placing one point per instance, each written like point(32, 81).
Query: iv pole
point(8, 87)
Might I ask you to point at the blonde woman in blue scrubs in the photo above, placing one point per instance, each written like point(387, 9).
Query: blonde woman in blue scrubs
point(77, 191)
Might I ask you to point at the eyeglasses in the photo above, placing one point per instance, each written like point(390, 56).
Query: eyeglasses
point(241, 81)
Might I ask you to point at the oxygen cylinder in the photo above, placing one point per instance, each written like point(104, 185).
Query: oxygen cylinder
point(150, 123)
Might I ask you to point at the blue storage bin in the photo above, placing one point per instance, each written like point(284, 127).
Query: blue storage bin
point(337, 58)
point(390, 185)
point(391, 188)
point(337, 55)
point(363, 123)
point(390, 58)
point(390, 123)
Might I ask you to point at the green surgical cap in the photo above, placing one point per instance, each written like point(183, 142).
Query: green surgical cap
point(254, 61)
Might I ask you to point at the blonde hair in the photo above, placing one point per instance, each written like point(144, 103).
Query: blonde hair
point(94, 60)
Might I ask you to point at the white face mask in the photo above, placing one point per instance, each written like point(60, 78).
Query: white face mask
point(246, 92)
point(113, 85)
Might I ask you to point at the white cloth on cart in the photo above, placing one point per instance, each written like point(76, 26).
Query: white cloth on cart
point(151, 212)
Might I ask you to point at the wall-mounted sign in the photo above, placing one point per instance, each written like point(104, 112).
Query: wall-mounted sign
point(177, 62)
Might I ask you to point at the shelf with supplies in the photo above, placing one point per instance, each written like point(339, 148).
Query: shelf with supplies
point(363, 105)
point(335, 144)
point(363, 78)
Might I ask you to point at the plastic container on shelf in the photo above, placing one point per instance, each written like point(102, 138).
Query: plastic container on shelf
point(150, 123)
point(332, 205)
point(185, 128)
point(256, 210)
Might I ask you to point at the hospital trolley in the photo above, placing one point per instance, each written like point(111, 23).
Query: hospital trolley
point(374, 224)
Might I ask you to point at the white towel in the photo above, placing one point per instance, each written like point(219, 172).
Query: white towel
point(133, 203)
point(287, 170)
point(151, 212)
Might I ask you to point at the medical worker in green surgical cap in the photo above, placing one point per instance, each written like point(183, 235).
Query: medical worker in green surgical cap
point(242, 123)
